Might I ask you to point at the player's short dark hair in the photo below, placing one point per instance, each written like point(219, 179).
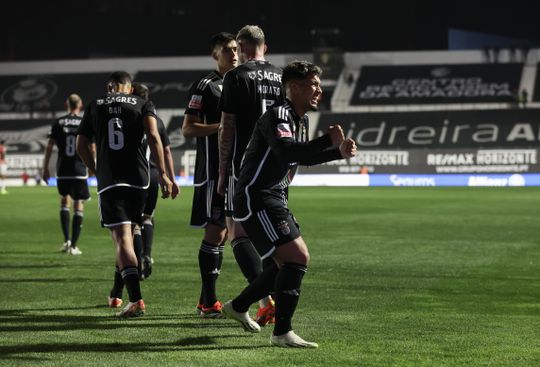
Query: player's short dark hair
point(120, 77)
point(251, 34)
point(221, 38)
point(299, 70)
point(140, 90)
point(73, 101)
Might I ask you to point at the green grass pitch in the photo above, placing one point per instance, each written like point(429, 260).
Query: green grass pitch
point(398, 277)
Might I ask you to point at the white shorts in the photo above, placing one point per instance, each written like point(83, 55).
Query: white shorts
point(3, 169)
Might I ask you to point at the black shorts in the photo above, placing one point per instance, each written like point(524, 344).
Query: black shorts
point(229, 192)
point(208, 206)
point(76, 188)
point(271, 227)
point(121, 205)
point(153, 189)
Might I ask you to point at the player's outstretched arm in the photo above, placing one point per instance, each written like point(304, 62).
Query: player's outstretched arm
point(154, 142)
point(347, 148)
point(227, 128)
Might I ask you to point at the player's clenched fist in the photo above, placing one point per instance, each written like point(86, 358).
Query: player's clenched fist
point(336, 134)
point(347, 148)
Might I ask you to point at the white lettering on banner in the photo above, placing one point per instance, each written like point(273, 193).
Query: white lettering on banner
point(381, 158)
point(393, 135)
point(484, 157)
point(412, 181)
point(514, 180)
point(437, 87)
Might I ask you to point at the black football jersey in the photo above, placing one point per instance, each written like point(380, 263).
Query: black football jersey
point(278, 145)
point(203, 102)
point(248, 91)
point(115, 122)
point(64, 133)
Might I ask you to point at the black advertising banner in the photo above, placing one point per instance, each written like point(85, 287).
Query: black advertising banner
point(28, 93)
point(478, 141)
point(170, 88)
point(536, 95)
point(429, 84)
point(439, 129)
point(25, 136)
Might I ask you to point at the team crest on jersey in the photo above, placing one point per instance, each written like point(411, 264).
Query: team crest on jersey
point(252, 74)
point(283, 227)
point(284, 131)
point(195, 102)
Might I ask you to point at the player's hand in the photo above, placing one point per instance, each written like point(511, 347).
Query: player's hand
point(166, 186)
point(347, 148)
point(46, 175)
point(336, 134)
point(221, 184)
point(175, 190)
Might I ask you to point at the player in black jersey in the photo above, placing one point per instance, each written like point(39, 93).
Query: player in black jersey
point(248, 91)
point(71, 173)
point(118, 122)
point(201, 120)
point(278, 145)
point(143, 237)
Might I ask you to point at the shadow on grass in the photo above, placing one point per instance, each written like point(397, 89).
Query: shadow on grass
point(202, 343)
point(24, 320)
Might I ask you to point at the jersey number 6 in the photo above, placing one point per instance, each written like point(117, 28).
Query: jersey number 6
point(116, 136)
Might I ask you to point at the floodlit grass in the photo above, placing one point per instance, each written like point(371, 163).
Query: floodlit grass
point(398, 277)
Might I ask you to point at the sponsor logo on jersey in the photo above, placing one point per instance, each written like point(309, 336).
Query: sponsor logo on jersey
point(195, 102)
point(284, 131)
point(283, 227)
point(264, 75)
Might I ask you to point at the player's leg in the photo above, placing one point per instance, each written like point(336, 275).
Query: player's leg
point(138, 249)
point(65, 204)
point(209, 266)
point(3, 173)
point(115, 295)
point(120, 208)
point(79, 192)
point(147, 228)
point(122, 236)
point(293, 258)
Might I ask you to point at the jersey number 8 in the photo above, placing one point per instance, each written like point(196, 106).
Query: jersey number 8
point(116, 135)
point(70, 145)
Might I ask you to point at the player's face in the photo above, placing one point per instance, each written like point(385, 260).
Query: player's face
point(227, 56)
point(310, 92)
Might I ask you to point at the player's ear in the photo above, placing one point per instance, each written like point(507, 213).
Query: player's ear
point(265, 48)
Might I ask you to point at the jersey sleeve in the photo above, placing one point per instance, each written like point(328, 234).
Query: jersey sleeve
point(195, 100)
point(52, 131)
point(86, 126)
point(230, 100)
point(149, 109)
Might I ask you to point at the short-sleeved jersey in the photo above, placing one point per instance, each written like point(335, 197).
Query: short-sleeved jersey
point(64, 133)
point(115, 122)
point(278, 145)
point(164, 139)
point(203, 102)
point(248, 91)
point(2, 154)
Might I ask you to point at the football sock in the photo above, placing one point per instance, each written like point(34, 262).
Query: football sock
point(76, 226)
point(247, 257)
point(64, 222)
point(118, 285)
point(147, 237)
point(209, 267)
point(221, 249)
point(137, 247)
point(287, 293)
point(268, 261)
point(257, 289)
point(130, 275)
